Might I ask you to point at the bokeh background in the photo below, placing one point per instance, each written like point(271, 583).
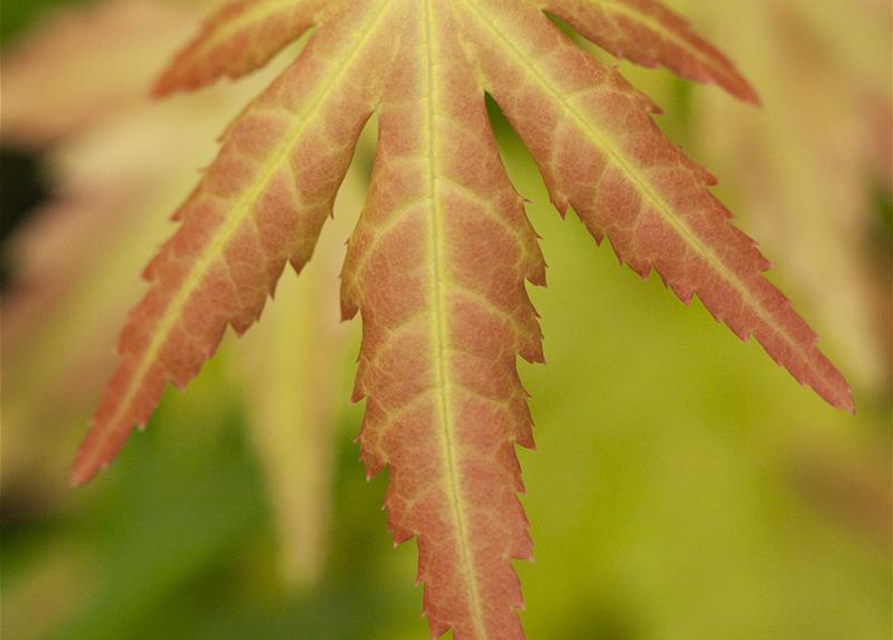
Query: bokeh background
point(684, 487)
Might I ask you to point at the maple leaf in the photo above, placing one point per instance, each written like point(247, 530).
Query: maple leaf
point(438, 263)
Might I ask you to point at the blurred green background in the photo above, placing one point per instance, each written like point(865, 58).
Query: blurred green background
point(684, 487)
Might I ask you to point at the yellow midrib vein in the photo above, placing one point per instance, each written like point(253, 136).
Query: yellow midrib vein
point(447, 433)
point(667, 214)
point(241, 210)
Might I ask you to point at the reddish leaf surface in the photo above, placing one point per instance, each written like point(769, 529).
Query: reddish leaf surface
point(437, 264)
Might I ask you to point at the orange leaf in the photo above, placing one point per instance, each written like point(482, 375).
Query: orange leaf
point(438, 262)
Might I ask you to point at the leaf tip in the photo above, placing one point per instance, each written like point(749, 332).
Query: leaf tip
point(75, 480)
point(82, 471)
point(160, 90)
point(847, 403)
point(168, 82)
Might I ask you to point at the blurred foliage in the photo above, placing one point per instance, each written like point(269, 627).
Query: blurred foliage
point(18, 15)
point(683, 488)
